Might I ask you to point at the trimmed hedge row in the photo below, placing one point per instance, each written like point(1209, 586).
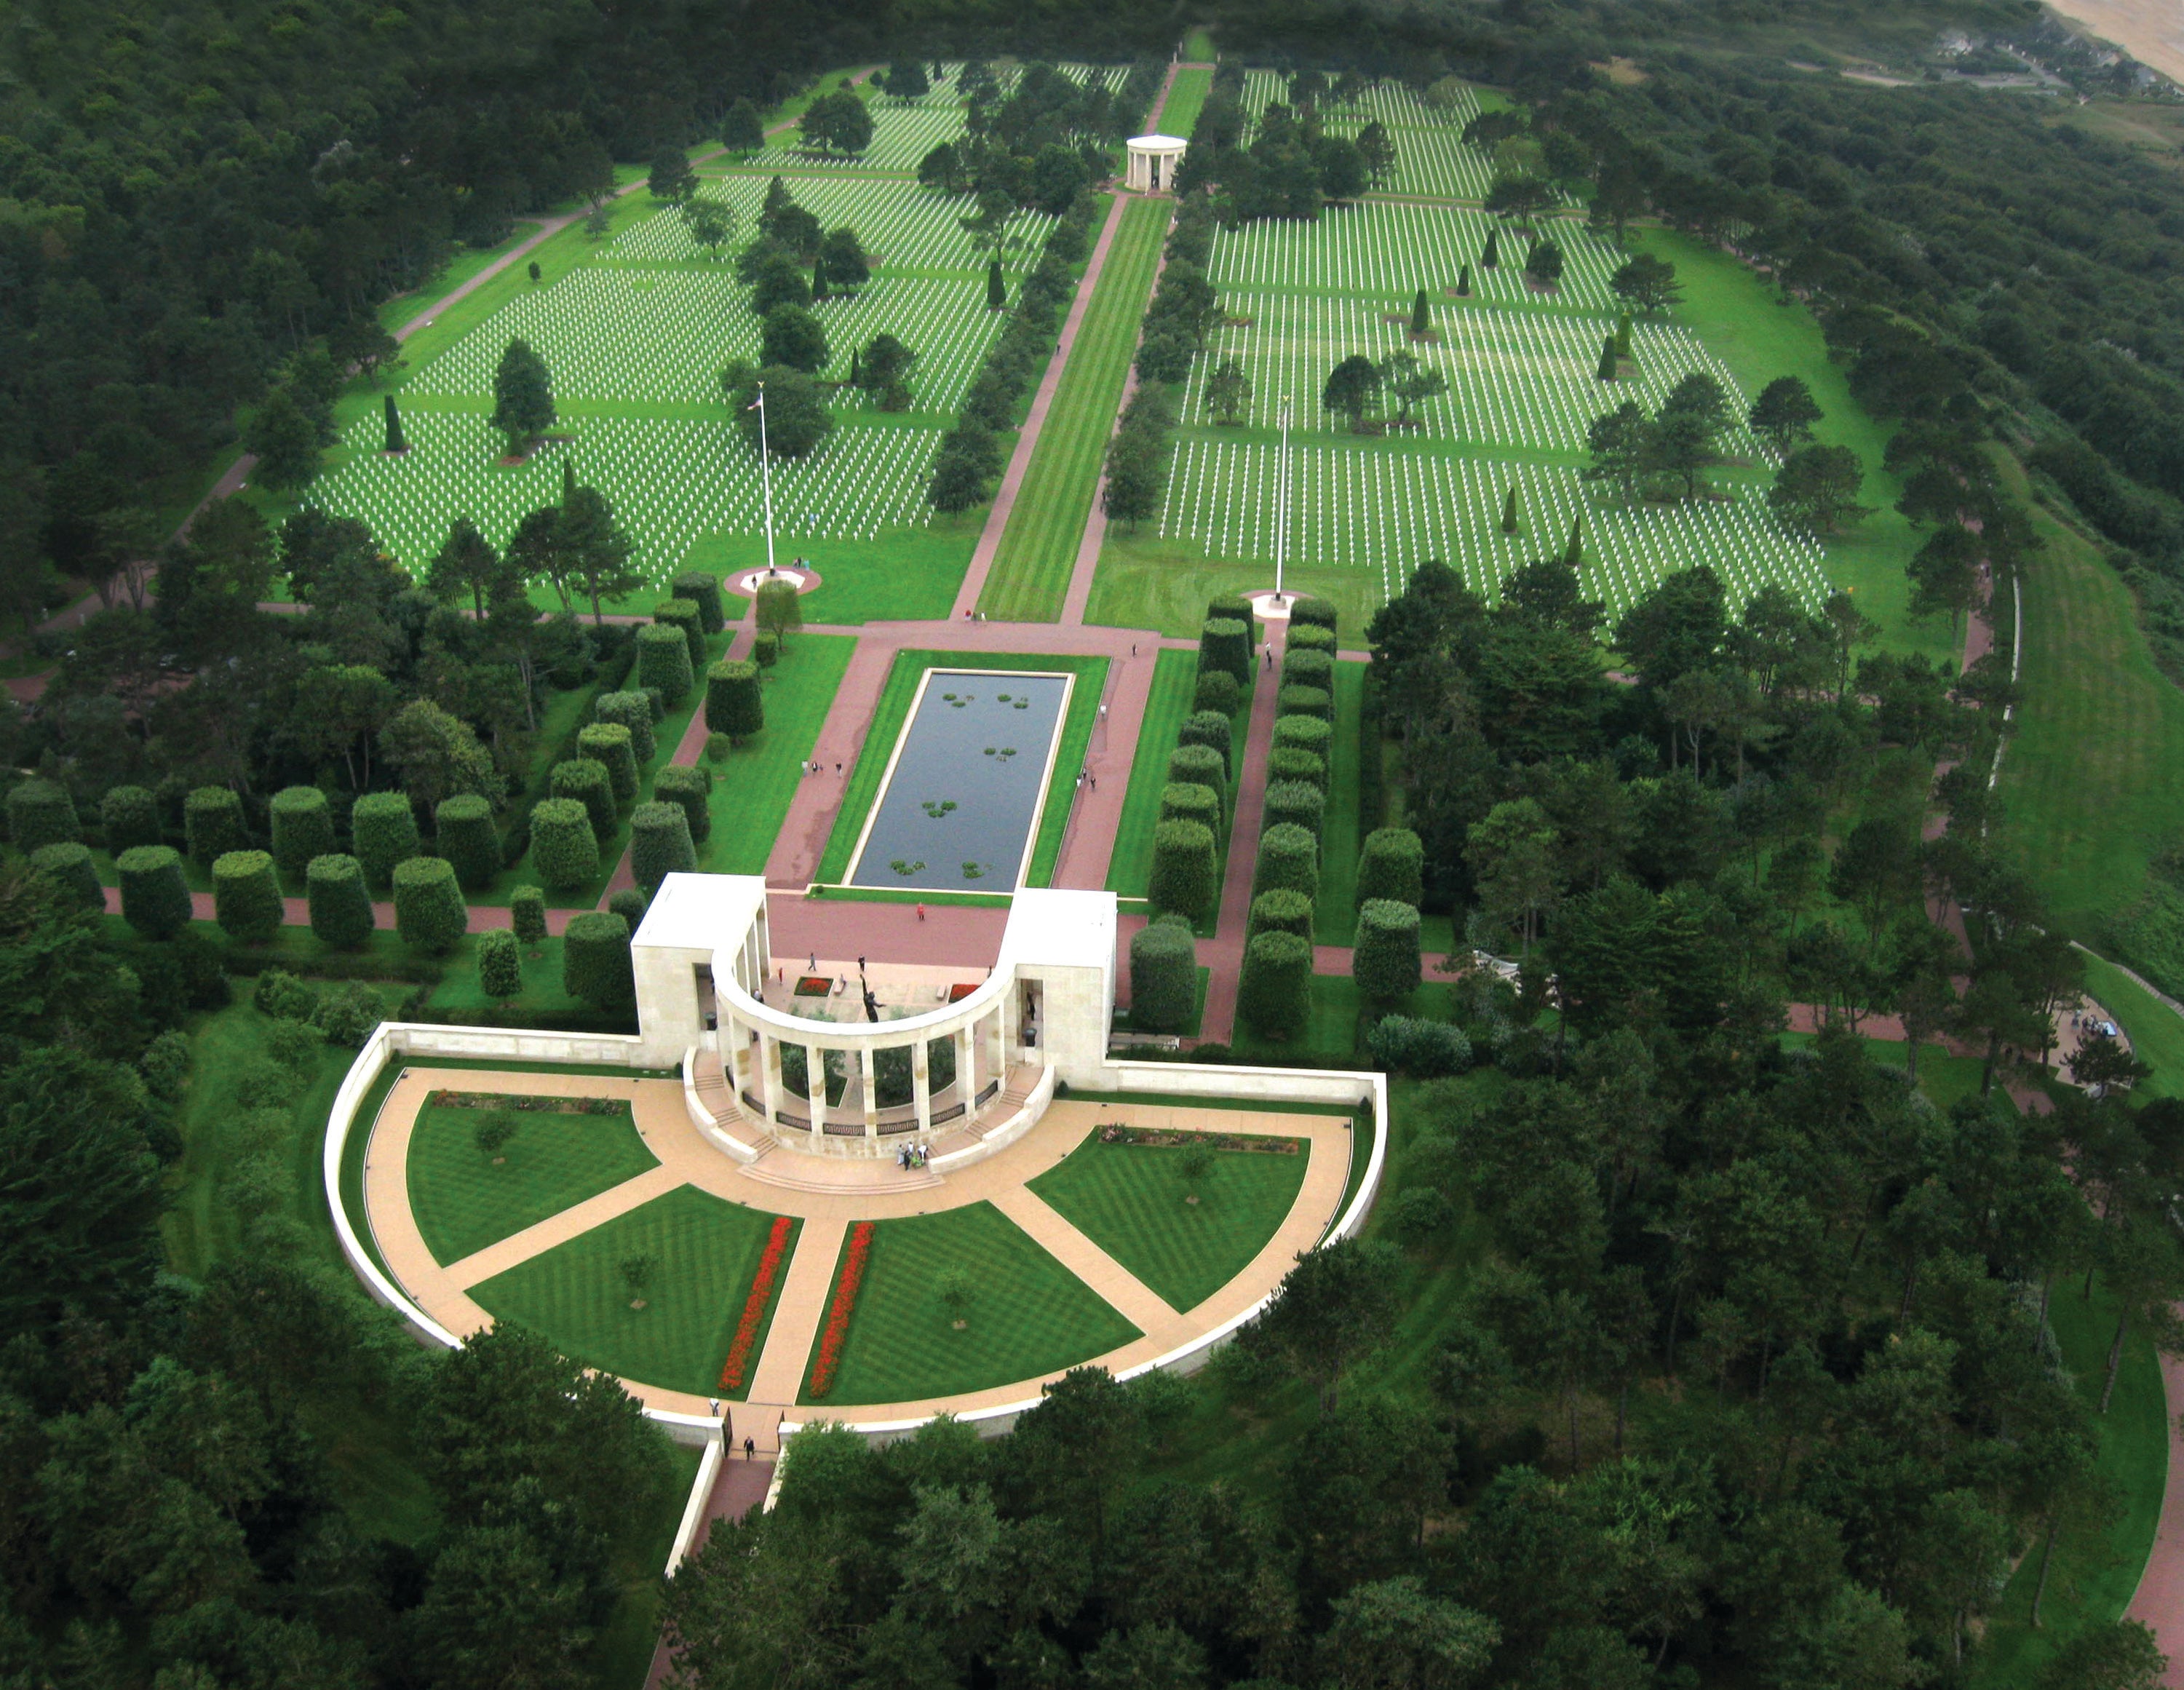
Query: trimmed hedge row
point(463, 828)
point(1163, 975)
point(339, 901)
point(563, 848)
point(41, 813)
point(302, 825)
point(246, 898)
point(429, 912)
point(634, 711)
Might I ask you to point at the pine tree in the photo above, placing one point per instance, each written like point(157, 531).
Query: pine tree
point(395, 442)
point(568, 479)
point(1573, 553)
point(1463, 283)
point(1509, 511)
point(1491, 254)
point(1607, 370)
point(856, 368)
point(818, 282)
point(1421, 322)
point(1623, 335)
point(997, 290)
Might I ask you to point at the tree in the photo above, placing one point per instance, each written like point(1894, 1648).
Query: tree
point(523, 398)
point(797, 421)
point(1519, 196)
point(597, 552)
point(839, 122)
point(907, 79)
point(1411, 383)
point(842, 260)
point(1229, 392)
point(941, 169)
point(956, 1290)
point(1378, 149)
point(1784, 414)
point(1511, 854)
point(438, 754)
point(742, 130)
point(1618, 442)
point(778, 608)
point(1543, 263)
point(1944, 572)
point(1490, 255)
point(465, 563)
point(2120, 1655)
point(1352, 386)
point(997, 289)
point(710, 222)
point(396, 444)
point(671, 178)
point(1511, 515)
point(285, 439)
point(1337, 1305)
point(792, 339)
point(1617, 197)
point(957, 482)
point(1817, 488)
point(1646, 283)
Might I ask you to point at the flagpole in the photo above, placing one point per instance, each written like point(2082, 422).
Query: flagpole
point(1282, 508)
point(765, 477)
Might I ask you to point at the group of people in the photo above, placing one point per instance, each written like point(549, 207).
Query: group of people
point(911, 1156)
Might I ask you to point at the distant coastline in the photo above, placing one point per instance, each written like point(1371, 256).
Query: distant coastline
point(2151, 31)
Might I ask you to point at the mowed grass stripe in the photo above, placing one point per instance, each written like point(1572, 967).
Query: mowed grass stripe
point(754, 787)
point(1175, 683)
point(1030, 577)
point(1028, 1315)
point(1336, 907)
point(703, 1250)
point(1130, 1201)
point(464, 1201)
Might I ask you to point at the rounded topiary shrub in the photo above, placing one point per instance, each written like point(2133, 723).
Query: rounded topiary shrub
point(1297, 803)
point(1310, 637)
point(1212, 729)
point(1289, 857)
point(633, 710)
point(246, 898)
point(499, 965)
point(69, 866)
point(1304, 667)
point(463, 830)
point(659, 844)
point(565, 851)
point(595, 964)
point(1304, 733)
point(429, 912)
point(765, 648)
point(1226, 644)
point(1305, 701)
point(1217, 690)
point(608, 743)
point(340, 903)
point(1185, 801)
point(385, 830)
point(683, 615)
point(1392, 864)
point(155, 898)
point(585, 779)
point(1273, 994)
point(733, 705)
point(526, 914)
point(1182, 877)
point(1430, 1050)
point(1286, 762)
point(1386, 961)
point(630, 904)
point(703, 590)
point(663, 659)
point(1163, 978)
point(212, 823)
point(130, 815)
point(1312, 613)
point(1279, 911)
point(693, 789)
point(1200, 766)
point(40, 812)
point(303, 828)
point(1236, 608)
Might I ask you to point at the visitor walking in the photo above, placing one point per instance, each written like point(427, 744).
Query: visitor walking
point(750, 1448)
point(921, 913)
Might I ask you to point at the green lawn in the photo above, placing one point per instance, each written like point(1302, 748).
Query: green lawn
point(753, 789)
point(1945, 1079)
point(1031, 1315)
point(1335, 914)
point(1186, 97)
point(1129, 1200)
point(2156, 1034)
point(893, 707)
point(898, 575)
point(1198, 47)
point(706, 1251)
point(1165, 586)
point(544, 999)
point(1175, 683)
point(1334, 1031)
point(1031, 572)
point(464, 1199)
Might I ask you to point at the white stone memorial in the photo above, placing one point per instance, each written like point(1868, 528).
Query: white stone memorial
point(1152, 162)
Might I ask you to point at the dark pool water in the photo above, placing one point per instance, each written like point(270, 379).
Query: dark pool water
point(957, 812)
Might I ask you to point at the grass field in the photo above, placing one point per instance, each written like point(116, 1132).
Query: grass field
point(705, 1251)
point(1334, 1028)
point(753, 789)
point(1186, 98)
point(886, 726)
point(1031, 571)
point(1175, 681)
point(909, 574)
point(1147, 581)
point(1031, 1315)
point(1129, 1200)
point(464, 1199)
point(1336, 910)
point(2155, 1032)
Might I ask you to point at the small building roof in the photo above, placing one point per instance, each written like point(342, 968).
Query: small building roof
point(1157, 143)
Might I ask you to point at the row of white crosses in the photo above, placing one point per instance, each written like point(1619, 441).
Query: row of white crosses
point(1431, 157)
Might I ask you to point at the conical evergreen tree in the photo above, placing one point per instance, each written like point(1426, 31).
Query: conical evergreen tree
point(818, 282)
point(1623, 335)
point(1463, 283)
point(1421, 321)
point(1509, 511)
point(856, 368)
point(1607, 370)
point(395, 442)
point(997, 290)
point(568, 479)
point(1491, 254)
point(1573, 553)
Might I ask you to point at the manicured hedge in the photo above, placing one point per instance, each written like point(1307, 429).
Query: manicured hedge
point(595, 963)
point(1298, 803)
point(765, 648)
point(1236, 608)
point(464, 831)
point(1289, 856)
point(429, 912)
point(565, 851)
point(1226, 644)
point(1386, 961)
point(41, 813)
point(585, 779)
point(691, 788)
point(1164, 977)
point(733, 704)
point(1200, 766)
point(499, 964)
point(69, 864)
point(703, 590)
point(1187, 802)
point(385, 829)
point(1273, 995)
point(155, 898)
point(633, 710)
point(1428, 1049)
point(1182, 877)
point(1304, 733)
point(1310, 637)
point(303, 828)
point(608, 743)
point(1304, 667)
point(630, 903)
point(1392, 865)
point(130, 816)
point(680, 614)
point(663, 658)
point(1212, 730)
point(246, 898)
point(1279, 911)
point(1315, 613)
point(1305, 701)
point(659, 844)
point(212, 823)
point(1286, 762)
point(1217, 690)
point(340, 902)
point(526, 914)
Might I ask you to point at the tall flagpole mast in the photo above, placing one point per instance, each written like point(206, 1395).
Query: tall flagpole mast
point(1282, 507)
point(765, 476)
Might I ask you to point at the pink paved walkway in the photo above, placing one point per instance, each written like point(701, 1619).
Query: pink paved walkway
point(740, 1486)
point(1223, 954)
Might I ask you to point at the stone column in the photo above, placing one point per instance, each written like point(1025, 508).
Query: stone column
point(771, 1089)
point(815, 1077)
point(920, 1086)
point(871, 1092)
point(966, 1070)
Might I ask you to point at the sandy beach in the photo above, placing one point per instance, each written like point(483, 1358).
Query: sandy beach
point(2151, 30)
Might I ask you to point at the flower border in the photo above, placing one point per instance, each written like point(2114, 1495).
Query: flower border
point(755, 1305)
point(838, 1312)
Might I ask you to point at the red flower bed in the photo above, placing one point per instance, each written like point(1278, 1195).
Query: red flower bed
point(769, 1266)
point(838, 1314)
